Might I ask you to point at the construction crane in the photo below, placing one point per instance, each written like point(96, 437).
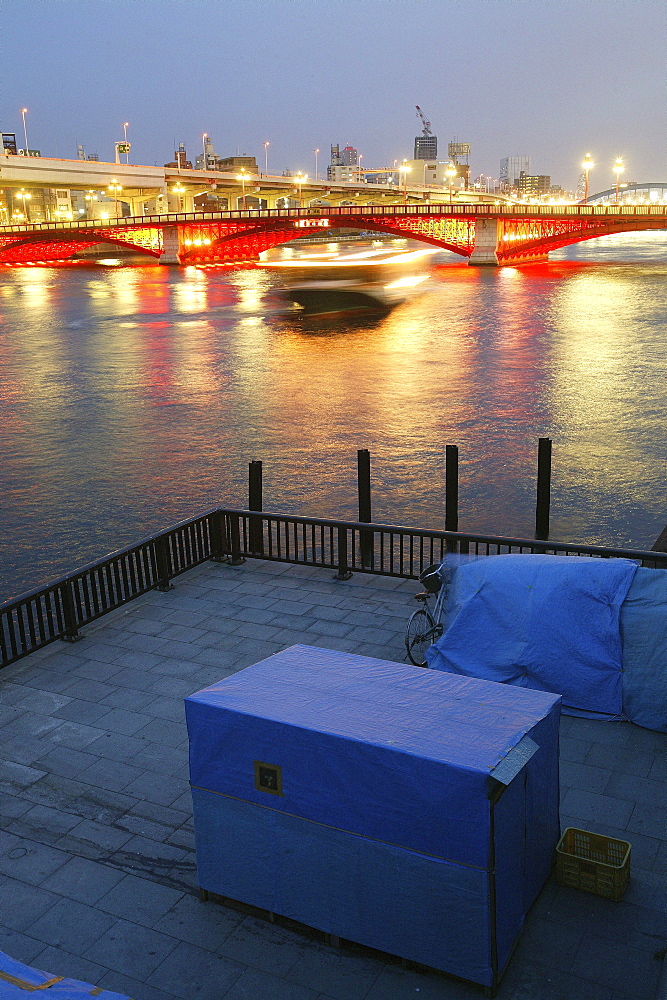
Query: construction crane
point(427, 125)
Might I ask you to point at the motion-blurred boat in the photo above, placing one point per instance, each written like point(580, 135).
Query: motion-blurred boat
point(349, 276)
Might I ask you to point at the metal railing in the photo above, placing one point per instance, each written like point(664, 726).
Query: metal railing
point(61, 609)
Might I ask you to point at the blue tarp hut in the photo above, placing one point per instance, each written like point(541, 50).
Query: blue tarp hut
point(408, 810)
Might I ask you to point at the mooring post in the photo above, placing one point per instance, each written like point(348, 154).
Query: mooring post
point(451, 488)
point(256, 534)
point(543, 501)
point(364, 490)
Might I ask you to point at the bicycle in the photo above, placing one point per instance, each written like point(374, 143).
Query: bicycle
point(423, 628)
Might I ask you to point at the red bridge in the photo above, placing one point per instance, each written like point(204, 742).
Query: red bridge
point(485, 234)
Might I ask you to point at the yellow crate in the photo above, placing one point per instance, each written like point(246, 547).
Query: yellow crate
point(593, 862)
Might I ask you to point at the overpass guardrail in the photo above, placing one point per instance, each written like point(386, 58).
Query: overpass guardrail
point(60, 609)
point(453, 209)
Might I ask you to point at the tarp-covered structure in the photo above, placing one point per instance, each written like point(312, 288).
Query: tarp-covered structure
point(593, 630)
point(404, 809)
point(18, 981)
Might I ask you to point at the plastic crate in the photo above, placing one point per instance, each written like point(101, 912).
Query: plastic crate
point(593, 862)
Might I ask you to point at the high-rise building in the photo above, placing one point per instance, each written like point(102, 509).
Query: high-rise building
point(349, 157)
point(426, 147)
point(533, 185)
point(510, 170)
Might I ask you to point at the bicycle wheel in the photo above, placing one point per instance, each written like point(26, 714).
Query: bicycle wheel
point(419, 636)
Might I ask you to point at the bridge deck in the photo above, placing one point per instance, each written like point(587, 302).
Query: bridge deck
point(96, 850)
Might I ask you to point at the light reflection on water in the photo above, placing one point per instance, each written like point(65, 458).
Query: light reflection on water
point(134, 397)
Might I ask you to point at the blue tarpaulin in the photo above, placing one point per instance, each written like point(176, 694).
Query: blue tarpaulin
point(550, 623)
point(18, 980)
point(363, 797)
point(644, 637)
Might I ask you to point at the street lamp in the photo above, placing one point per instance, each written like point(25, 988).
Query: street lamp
point(203, 139)
point(24, 111)
point(90, 197)
point(618, 170)
point(266, 156)
point(359, 174)
point(300, 178)
point(405, 170)
point(179, 190)
point(242, 177)
point(116, 188)
point(25, 196)
point(587, 165)
point(127, 153)
point(317, 176)
point(451, 174)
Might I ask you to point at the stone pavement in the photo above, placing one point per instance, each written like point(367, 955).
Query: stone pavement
point(97, 875)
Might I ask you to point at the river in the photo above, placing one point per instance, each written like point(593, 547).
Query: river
point(134, 397)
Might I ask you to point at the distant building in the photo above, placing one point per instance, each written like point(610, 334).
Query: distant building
point(533, 185)
point(426, 147)
point(209, 160)
point(180, 160)
point(344, 164)
point(511, 168)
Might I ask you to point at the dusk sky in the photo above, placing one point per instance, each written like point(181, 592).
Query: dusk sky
point(553, 79)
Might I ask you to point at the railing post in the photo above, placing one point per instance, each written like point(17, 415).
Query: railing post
point(162, 565)
point(71, 633)
point(256, 533)
point(364, 492)
point(235, 539)
point(219, 546)
point(543, 489)
point(343, 571)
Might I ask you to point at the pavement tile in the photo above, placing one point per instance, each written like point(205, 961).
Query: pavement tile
point(30, 862)
point(253, 984)
point(131, 949)
point(34, 723)
point(397, 983)
point(631, 970)
point(66, 761)
point(139, 899)
point(264, 946)
point(106, 838)
point(649, 820)
point(23, 904)
point(335, 972)
point(192, 973)
point(628, 762)
point(83, 880)
point(74, 735)
point(144, 827)
point(163, 732)
point(11, 807)
point(120, 720)
point(111, 774)
point(118, 983)
point(44, 824)
point(71, 926)
point(634, 788)
point(20, 946)
point(206, 925)
point(584, 777)
point(86, 713)
point(140, 642)
point(24, 749)
point(605, 808)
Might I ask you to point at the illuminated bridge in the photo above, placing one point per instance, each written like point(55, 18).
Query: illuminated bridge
point(485, 234)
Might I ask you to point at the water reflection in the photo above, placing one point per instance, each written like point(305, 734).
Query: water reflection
point(132, 397)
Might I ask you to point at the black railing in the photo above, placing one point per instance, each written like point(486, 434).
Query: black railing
point(59, 610)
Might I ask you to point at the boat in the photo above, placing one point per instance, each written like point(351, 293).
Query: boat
point(349, 276)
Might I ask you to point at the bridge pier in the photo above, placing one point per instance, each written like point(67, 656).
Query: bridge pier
point(170, 246)
point(488, 233)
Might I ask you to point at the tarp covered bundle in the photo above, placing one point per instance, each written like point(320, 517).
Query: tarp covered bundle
point(404, 809)
point(592, 630)
point(18, 980)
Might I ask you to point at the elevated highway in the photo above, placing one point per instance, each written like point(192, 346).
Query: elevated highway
point(485, 234)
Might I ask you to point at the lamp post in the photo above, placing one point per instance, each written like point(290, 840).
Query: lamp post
point(203, 139)
point(618, 170)
point(300, 178)
point(242, 177)
point(451, 174)
point(90, 197)
point(405, 170)
point(587, 165)
point(25, 196)
point(179, 190)
point(266, 156)
point(127, 154)
point(24, 111)
point(115, 187)
point(317, 176)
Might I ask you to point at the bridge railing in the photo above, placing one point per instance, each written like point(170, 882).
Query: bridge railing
point(431, 208)
point(59, 610)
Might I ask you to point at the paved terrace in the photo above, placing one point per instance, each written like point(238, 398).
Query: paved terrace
point(97, 877)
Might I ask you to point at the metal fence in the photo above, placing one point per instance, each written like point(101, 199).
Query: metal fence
point(59, 610)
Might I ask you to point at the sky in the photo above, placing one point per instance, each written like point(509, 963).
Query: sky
point(552, 79)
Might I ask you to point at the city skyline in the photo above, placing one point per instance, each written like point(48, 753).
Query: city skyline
point(508, 76)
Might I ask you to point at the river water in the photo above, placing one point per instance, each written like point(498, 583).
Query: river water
point(134, 397)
